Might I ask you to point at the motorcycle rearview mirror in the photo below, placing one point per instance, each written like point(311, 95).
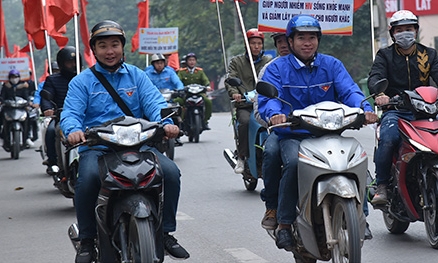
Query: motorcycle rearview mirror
point(235, 82)
point(378, 87)
point(47, 96)
point(268, 90)
point(170, 111)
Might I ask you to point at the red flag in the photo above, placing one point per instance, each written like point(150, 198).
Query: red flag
point(214, 1)
point(88, 56)
point(62, 11)
point(3, 39)
point(357, 4)
point(34, 22)
point(143, 21)
point(56, 34)
point(173, 61)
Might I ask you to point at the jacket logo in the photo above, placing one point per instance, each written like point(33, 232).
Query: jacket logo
point(325, 88)
point(129, 93)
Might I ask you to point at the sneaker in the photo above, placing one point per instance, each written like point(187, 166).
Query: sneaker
point(86, 252)
point(29, 143)
point(240, 166)
point(206, 127)
point(368, 234)
point(178, 142)
point(380, 195)
point(174, 249)
point(283, 239)
point(269, 221)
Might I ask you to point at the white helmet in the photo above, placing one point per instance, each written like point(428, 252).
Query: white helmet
point(403, 17)
point(156, 57)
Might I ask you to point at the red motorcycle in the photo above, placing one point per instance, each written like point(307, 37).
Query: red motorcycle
point(413, 187)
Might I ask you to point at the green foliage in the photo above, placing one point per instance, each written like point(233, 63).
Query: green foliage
point(197, 21)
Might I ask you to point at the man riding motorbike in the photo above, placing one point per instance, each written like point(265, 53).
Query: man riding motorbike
point(407, 65)
point(15, 87)
point(164, 77)
point(88, 104)
point(192, 74)
point(302, 78)
point(239, 67)
point(57, 85)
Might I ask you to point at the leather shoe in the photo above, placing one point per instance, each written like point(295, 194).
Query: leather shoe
point(283, 239)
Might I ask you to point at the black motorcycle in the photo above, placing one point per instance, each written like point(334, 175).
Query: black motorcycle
point(15, 125)
point(174, 112)
point(130, 202)
point(64, 173)
point(194, 111)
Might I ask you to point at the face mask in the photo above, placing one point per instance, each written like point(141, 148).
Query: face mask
point(14, 80)
point(405, 39)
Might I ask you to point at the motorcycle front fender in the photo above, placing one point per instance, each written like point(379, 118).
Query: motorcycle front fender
point(16, 126)
point(137, 205)
point(337, 185)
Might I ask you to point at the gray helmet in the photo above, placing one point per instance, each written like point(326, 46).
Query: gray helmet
point(157, 57)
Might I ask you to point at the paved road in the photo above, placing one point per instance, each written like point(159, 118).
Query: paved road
point(218, 220)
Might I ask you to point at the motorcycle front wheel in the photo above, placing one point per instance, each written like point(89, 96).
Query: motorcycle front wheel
point(197, 127)
point(345, 225)
point(15, 149)
point(170, 152)
point(394, 225)
point(141, 241)
point(430, 214)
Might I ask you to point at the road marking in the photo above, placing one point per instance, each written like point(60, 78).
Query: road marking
point(182, 216)
point(244, 255)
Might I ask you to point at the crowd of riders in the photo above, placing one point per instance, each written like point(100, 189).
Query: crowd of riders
point(406, 64)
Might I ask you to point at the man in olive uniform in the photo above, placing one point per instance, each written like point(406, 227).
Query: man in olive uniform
point(195, 75)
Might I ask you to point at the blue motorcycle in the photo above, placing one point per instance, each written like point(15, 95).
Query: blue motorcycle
point(257, 135)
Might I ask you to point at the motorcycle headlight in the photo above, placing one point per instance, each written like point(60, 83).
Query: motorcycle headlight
point(127, 135)
point(330, 120)
point(428, 108)
point(420, 146)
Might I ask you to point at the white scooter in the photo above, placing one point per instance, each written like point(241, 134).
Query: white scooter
point(332, 174)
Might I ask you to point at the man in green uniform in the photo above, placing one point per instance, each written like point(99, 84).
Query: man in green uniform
point(195, 75)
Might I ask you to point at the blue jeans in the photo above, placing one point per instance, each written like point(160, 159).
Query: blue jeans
point(88, 185)
point(288, 189)
point(388, 144)
point(50, 140)
point(271, 171)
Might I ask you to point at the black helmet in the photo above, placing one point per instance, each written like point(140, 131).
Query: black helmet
point(107, 28)
point(66, 54)
point(191, 54)
point(54, 66)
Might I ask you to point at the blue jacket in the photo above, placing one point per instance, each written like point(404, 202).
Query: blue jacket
point(167, 79)
point(89, 104)
point(326, 80)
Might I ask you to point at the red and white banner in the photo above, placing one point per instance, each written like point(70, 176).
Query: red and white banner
point(418, 7)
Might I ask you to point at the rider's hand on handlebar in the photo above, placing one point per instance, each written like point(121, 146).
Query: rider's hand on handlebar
point(76, 137)
point(237, 97)
point(371, 117)
point(381, 100)
point(172, 131)
point(277, 119)
point(49, 113)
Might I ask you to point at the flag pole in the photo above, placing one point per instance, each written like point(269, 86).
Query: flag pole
point(373, 44)
point(222, 35)
point(32, 60)
point(245, 38)
point(78, 62)
point(46, 37)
